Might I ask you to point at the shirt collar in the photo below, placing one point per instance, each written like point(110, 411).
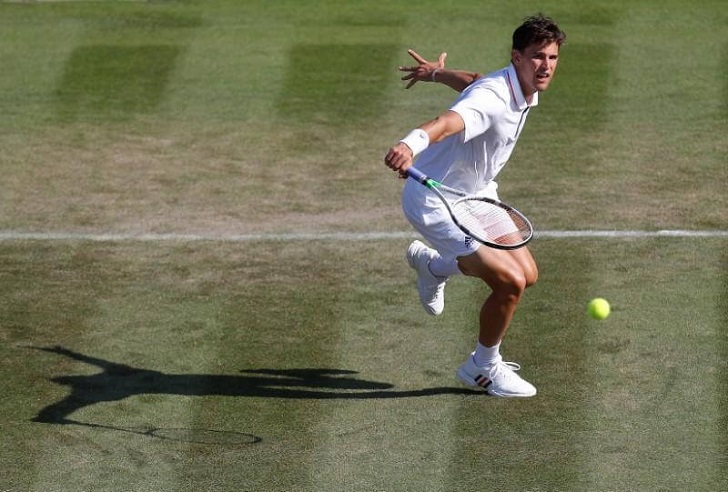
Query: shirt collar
point(515, 87)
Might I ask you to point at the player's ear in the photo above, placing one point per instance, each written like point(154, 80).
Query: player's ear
point(516, 57)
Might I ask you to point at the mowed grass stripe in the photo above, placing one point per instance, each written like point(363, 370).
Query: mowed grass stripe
point(137, 334)
point(108, 66)
point(110, 82)
point(211, 323)
point(625, 411)
point(388, 338)
point(657, 419)
point(640, 410)
point(31, 72)
point(487, 430)
point(506, 440)
point(722, 466)
point(42, 303)
point(281, 323)
point(663, 130)
point(109, 306)
point(323, 83)
point(723, 309)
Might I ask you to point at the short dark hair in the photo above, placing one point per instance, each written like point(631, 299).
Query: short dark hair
point(537, 29)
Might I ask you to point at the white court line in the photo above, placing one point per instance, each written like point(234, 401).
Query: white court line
point(633, 233)
point(328, 236)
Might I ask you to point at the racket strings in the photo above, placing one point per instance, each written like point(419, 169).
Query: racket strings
point(492, 223)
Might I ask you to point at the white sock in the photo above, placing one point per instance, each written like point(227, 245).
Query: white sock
point(441, 267)
point(486, 356)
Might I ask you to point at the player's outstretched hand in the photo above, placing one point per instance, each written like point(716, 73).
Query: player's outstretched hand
point(424, 69)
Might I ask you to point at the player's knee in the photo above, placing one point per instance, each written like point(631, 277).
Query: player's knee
point(511, 284)
point(518, 283)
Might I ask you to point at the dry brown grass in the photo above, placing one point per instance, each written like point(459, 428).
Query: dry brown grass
point(179, 180)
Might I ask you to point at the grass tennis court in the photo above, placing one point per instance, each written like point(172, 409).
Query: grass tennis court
point(170, 321)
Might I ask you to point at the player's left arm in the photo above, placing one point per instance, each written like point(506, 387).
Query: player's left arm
point(427, 71)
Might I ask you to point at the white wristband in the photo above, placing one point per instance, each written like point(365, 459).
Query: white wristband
point(417, 140)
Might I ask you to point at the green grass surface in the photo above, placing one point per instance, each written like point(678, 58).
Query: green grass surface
point(283, 365)
point(634, 402)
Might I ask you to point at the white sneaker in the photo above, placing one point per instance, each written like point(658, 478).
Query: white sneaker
point(430, 287)
point(499, 380)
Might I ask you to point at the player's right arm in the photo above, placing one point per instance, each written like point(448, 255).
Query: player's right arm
point(427, 71)
point(400, 157)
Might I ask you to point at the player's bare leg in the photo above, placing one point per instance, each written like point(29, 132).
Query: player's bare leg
point(508, 274)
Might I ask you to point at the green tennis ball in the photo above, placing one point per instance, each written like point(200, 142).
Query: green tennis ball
point(598, 308)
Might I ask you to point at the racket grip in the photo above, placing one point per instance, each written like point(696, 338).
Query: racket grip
point(417, 175)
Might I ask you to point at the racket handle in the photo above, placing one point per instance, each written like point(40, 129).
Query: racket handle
point(417, 175)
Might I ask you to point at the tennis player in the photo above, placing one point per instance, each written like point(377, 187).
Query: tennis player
point(465, 148)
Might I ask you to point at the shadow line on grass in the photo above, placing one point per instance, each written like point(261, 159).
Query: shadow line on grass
point(119, 381)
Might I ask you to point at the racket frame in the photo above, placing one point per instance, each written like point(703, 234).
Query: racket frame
point(436, 186)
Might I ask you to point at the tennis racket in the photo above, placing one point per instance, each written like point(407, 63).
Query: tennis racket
point(488, 221)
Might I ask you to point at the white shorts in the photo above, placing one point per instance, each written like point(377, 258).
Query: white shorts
point(430, 218)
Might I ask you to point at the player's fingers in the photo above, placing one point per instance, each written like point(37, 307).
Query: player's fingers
point(411, 83)
point(441, 59)
point(403, 170)
point(390, 160)
point(387, 161)
point(417, 57)
point(398, 156)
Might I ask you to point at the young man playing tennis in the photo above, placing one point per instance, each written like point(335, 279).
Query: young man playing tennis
point(464, 148)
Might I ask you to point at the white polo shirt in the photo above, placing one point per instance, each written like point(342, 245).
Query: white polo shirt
point(494, 111)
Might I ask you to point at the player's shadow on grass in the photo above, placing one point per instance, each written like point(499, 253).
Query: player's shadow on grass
point(119, 381)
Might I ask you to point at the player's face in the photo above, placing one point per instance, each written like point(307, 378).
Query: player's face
point(535, 66)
